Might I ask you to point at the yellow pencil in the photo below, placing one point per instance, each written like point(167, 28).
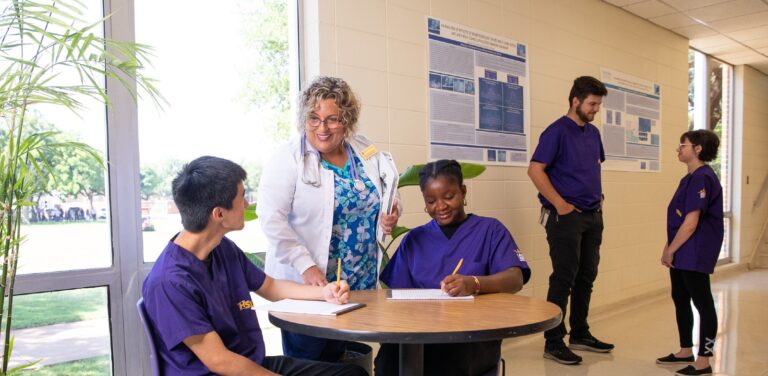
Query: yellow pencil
point(457, 266)
point(338, 272)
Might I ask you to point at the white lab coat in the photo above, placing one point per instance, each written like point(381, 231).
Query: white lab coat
point(297, 217)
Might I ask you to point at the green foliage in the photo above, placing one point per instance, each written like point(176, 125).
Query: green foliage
point(267, 81)
point(50, 55)
point(59, 307)
point(96, 366)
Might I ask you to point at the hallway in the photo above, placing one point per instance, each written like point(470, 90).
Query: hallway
point(646, 331)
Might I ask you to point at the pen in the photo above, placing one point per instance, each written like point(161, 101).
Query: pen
point(338, 272)
point(457, 266)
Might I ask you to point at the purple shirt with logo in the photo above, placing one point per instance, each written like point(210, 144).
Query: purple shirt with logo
point(573, 155)
point(183, 299)
point(699, 190)
point(426, 255)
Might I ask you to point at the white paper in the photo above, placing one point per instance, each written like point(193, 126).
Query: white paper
point(423, 294)
point(310, 307)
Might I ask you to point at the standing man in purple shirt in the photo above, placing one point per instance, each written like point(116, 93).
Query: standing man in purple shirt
point(565, 168)
point(197, 295)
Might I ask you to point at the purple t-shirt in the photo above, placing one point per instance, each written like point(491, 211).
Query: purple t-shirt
point(426, 255)
point(183, 299)
point(573, 155)
point(699, 190)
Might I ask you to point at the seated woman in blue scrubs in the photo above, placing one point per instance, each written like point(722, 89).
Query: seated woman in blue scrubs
point(428, 255)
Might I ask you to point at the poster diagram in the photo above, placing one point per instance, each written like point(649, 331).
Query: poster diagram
point(631, 126)
point(479, 105)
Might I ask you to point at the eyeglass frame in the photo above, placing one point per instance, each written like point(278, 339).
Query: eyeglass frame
point(681, 145)
point(316, 119)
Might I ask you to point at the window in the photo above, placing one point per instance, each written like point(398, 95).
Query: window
point(228, 96)
point(710, 96)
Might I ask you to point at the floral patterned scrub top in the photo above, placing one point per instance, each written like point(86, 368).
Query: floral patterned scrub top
point(354, 228)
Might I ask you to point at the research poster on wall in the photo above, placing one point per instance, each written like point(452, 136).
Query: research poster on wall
point(479, 102)
point(631, 123)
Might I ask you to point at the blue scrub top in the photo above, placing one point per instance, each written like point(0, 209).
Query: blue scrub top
point(699, 190)
point(426, 255)
point(573, 155)
point(353, 238)
point(183, 299)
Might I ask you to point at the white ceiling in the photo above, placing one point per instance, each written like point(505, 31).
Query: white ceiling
point(734, 31)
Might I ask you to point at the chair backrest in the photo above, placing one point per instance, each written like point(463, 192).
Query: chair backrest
point(154, 357)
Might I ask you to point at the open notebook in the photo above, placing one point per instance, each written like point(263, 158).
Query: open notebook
point(310, 307)
point(423, 294)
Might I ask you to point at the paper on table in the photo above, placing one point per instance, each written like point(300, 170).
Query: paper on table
point(311, 307)
point(423, 294)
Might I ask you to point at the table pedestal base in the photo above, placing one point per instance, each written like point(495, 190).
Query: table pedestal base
point(411, 359)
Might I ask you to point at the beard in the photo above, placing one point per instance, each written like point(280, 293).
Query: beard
point(584, 116)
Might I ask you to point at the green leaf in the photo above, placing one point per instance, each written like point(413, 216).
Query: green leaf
point(411, 174)
point(399, 231)
point(250, 213)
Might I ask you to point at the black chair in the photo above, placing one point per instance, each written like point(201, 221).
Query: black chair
point(154, 358)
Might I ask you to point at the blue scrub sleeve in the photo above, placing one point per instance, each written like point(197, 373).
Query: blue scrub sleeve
point(254, 276)
point(548, 147)
point(505, 254)
point(697, 194)
point(397, 273)
point(177, 312)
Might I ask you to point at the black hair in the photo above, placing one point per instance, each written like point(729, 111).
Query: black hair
point(708, 141)
point(202, 185)
point(444, 167)
point(584, 86)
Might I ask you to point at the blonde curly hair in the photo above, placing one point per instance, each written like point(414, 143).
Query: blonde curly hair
point(325, 87)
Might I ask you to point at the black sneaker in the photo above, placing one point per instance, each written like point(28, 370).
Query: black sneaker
point(561, 354)
point(589, 343)
point(672, 359)
point(691, 371)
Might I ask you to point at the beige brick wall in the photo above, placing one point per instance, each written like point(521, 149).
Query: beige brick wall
point(379, 47)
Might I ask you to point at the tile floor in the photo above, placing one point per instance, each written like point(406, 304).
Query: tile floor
point(647, 330)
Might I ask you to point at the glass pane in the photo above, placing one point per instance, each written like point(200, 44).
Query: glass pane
point(228, 97)
point(69, 229)
point(67, 331)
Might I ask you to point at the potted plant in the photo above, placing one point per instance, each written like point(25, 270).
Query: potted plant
point(49, 55)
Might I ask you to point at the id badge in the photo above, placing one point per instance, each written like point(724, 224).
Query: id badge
point(544, 217)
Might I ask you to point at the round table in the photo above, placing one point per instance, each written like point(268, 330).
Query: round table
point(412, 323)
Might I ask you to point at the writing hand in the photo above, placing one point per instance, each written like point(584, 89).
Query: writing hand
point(337, 294)
point(458, 285)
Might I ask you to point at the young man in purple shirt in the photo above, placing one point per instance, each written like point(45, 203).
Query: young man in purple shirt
point(197, 295)
point(565, 168)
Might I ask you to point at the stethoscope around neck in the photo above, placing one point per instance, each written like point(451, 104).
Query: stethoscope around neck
point(357, 184)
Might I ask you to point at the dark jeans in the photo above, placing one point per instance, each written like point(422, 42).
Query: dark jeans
point(284, 365)
point(687, 286)
point(444, 359)
point(574, 248)
point(312, 348)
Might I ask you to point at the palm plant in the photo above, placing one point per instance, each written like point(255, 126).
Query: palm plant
point(50, 56)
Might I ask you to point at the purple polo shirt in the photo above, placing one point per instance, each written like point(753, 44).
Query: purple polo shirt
point(699, 190)
point(183, 299)
point(426, 256)
point(573, 155)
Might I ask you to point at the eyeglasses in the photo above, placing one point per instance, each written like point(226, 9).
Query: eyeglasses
point(681, 145)
point(332, 122)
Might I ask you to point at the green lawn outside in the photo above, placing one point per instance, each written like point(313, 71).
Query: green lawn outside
point(34, 310)
point(98, 366)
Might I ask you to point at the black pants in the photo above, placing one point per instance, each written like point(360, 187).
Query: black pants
point(574, 248)
point(686, 286)
point(312, 348)
point(288, 366)
point(444, 359)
